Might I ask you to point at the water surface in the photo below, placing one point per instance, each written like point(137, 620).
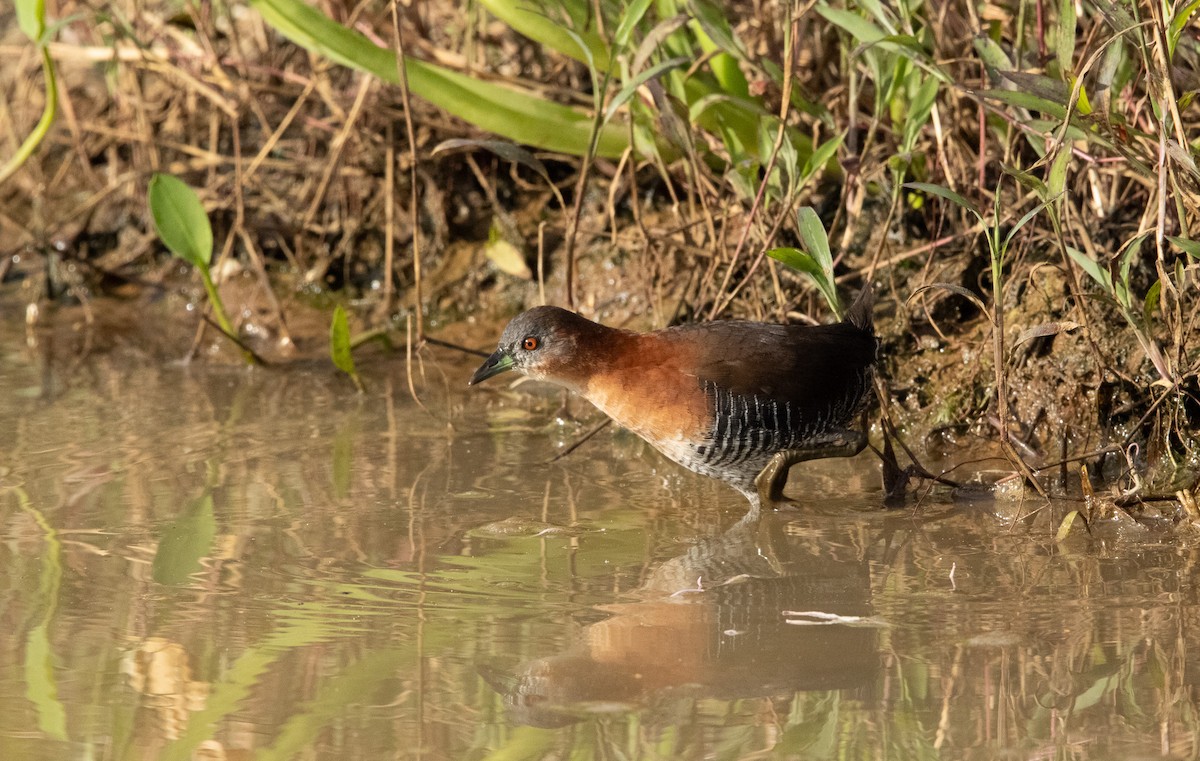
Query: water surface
point(208, 562)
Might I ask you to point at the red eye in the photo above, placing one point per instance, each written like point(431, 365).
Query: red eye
point(529, 344)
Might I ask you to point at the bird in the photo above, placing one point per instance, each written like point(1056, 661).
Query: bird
point(735, 400)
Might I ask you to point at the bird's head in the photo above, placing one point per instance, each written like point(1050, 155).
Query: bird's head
point(542, 343)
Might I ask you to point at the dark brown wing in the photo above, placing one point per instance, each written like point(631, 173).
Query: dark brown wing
point(816, 376)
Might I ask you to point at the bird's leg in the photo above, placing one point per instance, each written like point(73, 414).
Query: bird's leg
point(773, 478)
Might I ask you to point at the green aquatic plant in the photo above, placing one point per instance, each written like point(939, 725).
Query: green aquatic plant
point(816, 261)
point(31, 17)
point(340, 347)
point(183, 226)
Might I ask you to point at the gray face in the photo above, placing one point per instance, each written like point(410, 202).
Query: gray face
point(533, 340)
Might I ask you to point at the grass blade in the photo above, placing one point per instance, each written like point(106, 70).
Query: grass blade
point(946, 194)
point(629, 89)
point(507, 111)
point(528, 19)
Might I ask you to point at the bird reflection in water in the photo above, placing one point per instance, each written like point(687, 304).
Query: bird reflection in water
point(740, 615)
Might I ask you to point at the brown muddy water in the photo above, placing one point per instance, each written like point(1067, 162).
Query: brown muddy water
point(201, 562)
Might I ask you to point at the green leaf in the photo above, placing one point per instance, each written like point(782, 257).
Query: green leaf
point(184, 543)
point(995, 60)
point(1152, 300)
point(339, 342)
point(31, 17)
point(810, 267)
point(812, 233)
point(1056, 181)
point(528, 19)
point(180, 220)
point(1098, 273)
point(513, 113)
point(630, 18)
point(945, 194)
point(858, 27)
point(1026, 179)
point(1178, 22)
point(632, 86)
point(1188, 246)
point(1029, 101)
point(919, 110)
point(42, 128)
point(1025, 220)
point(1064, 528)
point(822, 154)
point(716, 28)
point(1064, 41)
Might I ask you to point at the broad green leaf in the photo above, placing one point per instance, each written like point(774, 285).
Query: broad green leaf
point(1056, 181)
point(701, 106)
point(1064, 528)
point(812, 233)
point(1188, 246)
point(993, 56)
point(31, 17)
point(1026, 179)
point(1151, 302)
point(1064, 39)
point(1030, 101)
point(1050, 127)
point(798, 260)
point(717, 41)
point(181, 220)
point(630, 17)
point(1082, 105)
point(946, 194)
point(184, 543)
point(883, 17)
point(513, 113)
point(1129, 251)
point(919, 110)
point(715, 30)
point(339, 342)
point(822, 154)
point(1092, 267)
point(1178, 22)
point(657, 37)
point(808, 265)
point(1116, 16)
point(858, 27)
point(530, 20)
point(1114, 54)
point(1040, 85)
point(632, 86)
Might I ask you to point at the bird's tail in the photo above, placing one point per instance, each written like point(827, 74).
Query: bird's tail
point(860, 312)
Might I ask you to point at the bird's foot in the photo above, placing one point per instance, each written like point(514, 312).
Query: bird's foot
point(770, 482)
